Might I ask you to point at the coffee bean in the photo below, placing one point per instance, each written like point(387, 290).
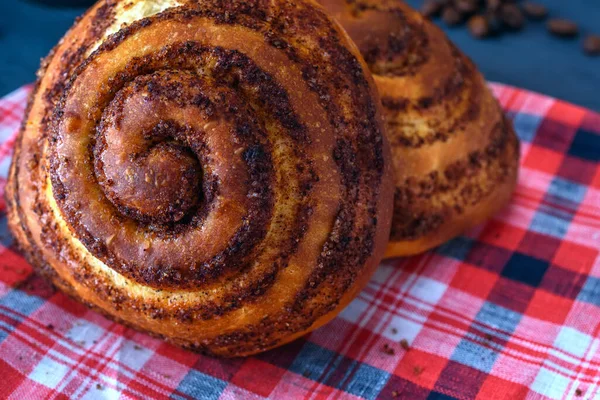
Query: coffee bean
point(512, 16)
point(431, 8)
point(493, 4)
point(450, 16)
point(478, 26)
point(494, 22)
point(534, 11)
point(591, 45)
point(466, 6)
point(562, 27)
point(490, 17)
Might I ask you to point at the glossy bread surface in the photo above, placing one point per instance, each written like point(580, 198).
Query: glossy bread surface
point(455, 154)
point(211, 172)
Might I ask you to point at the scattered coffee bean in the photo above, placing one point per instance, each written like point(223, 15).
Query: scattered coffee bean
point(491, 17)
point(578, 392)
point(591, 45)
point(512, 16)
point(431, 8)
point(466, 6)
point(478, 26)
point(451, 16)
point(388, 350)
point(562, 27)
point(494, 22)
point(534, 11)
point(493, 4)
point(404, 344)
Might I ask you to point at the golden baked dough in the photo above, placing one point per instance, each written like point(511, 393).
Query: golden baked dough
point(455, 154)
point(211, 172)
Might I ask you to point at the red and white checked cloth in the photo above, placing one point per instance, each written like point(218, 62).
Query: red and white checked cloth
point(511, 310)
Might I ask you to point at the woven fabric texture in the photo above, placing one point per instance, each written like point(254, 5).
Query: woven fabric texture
point(510, 310)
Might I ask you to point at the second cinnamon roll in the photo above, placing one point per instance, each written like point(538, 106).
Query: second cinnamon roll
point(456, 155)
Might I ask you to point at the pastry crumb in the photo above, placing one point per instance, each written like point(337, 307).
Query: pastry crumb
point(404, 344)
point(388, 350)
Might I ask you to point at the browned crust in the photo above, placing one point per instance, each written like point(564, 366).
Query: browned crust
point(463, 185)
point(100, 17)
point(456, 156)
point(311, 191)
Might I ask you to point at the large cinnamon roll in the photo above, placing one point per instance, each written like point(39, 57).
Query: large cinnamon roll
point(455, 153)
point(211, 172)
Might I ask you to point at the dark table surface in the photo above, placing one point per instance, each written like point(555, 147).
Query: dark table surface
point(530, 59)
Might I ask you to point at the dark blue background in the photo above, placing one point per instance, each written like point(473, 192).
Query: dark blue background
point(530, 59)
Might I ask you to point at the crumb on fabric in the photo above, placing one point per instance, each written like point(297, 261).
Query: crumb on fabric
point(388, 350)
point(404, 344)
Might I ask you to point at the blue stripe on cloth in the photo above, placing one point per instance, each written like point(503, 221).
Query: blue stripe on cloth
point(474, 355)
point(327, 367)
point(312, 361)
point(590, 293)
point(567, 190)
point(367, 382)
point(526, 126)
point(6, 239)
point(586, 145)
point(200, 386)
point(457, 248)
point(498, 317)
point(439, 396)
point(22, 304)
point(526, 269)
point(555, 224)
point(5, 165)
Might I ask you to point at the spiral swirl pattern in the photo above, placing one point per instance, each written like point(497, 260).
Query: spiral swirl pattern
point(212, 172)
point(456, 155)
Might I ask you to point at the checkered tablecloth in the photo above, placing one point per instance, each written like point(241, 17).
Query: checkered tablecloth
point(510, 310)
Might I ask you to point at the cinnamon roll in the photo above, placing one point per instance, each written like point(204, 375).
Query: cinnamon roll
point(211, 172)
point(456, 155)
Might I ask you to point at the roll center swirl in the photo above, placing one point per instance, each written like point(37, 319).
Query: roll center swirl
point(143, 159)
